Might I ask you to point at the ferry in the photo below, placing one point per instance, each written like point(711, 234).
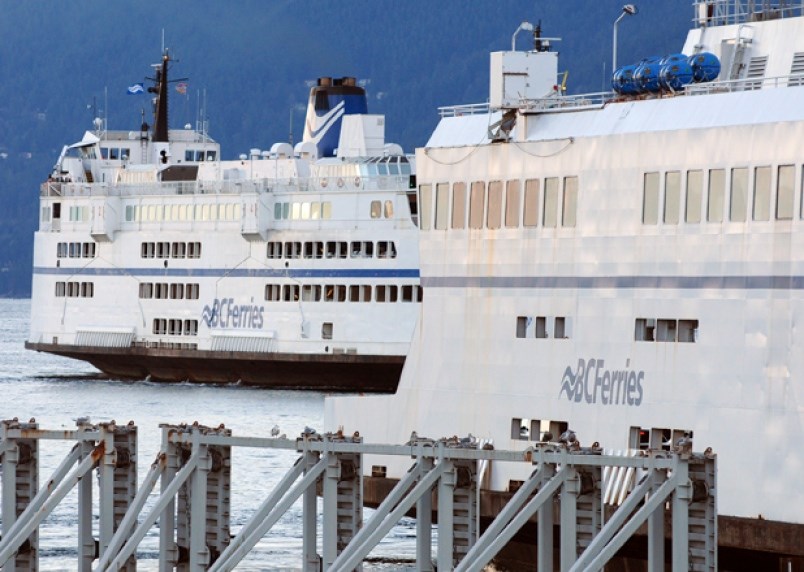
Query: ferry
point(626, 267)
point(294, 267)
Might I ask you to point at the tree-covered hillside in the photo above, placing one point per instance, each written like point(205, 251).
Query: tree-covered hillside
point(63, 63)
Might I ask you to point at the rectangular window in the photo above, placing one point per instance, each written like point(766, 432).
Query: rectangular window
point(191, 291)
point(665, 330)
point(179, 249)
point(375, 209)
point(442, 206)
point(161, 291)
point(190, 327)
point(160, 326)
point(274, 250)
point(551, 189)
point(388, 209)
point(311, 293)
point(694, 196)
point(272, 292)
point(650, 200)
point(532, 191)
point(687, 330)
point(762, 193)
point(426, 202)
point(393, 293)
point(477, 200)
point(672, 197)
point(784, 192)
point(290, 292)
point(570, 205)
point(61, 289)
point(174, 327)
point(494, 215)
point(146, 290)
point(522, 326)
point(326, 331)
point(354, 293)
point(540, 327)
point(386, 249)
point(380, 293)
point(87, 289)
point(193, 250)
point(739, 194)
point(512, 204)
point(644, 330)
point(177, 291)
point(293, 249)
point(560, 329)
point(459, 205)
point(717, 195)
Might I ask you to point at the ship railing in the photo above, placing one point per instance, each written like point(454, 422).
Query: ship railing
point(728, 12)
point(561, 102)
point(227, 187)
point(466, 109)
point(732, 85)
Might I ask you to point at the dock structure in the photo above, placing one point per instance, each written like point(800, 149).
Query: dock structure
point(193, 469)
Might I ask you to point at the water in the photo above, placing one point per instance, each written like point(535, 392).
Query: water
point(56, 391)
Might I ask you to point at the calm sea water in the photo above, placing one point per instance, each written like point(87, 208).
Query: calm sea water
point(56, 391)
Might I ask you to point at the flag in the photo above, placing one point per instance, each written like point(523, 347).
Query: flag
point(181, 88)
point(135, 89)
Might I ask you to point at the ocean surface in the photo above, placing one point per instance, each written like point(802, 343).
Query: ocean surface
point(56, 391)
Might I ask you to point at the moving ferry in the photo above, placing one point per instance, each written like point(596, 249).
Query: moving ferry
point(628, 266)
point(295, 267)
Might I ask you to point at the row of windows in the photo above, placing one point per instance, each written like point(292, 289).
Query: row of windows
point(76, 250)
point(164, 291)
point(705, 194)
point(342, 293)
point(303, 211)
point(175, 327)
point(115, 153)
point(656, 438)
point(75, 289)
point(665, 330)
point(170, 250)
point(203, 212)
point(78, 214)
point(199, 155)
point(537, 429)
point(331, 249)
point(540, 327)
point(500, 203)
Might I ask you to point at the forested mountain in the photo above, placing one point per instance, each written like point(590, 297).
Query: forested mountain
point(63, 63)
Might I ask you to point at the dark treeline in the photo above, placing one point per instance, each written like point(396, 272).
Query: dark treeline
point(63, 63)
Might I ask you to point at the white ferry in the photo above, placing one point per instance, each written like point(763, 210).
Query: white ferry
point(628, 266)
point(295, 267)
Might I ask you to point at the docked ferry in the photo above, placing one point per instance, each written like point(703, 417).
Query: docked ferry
point(625, 266)
point(293, 267)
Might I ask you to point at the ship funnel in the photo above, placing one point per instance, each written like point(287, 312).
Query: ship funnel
point(330, 100)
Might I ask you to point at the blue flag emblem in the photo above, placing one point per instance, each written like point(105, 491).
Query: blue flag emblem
point(135, 89)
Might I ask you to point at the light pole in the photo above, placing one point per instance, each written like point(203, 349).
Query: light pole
point(628, 10)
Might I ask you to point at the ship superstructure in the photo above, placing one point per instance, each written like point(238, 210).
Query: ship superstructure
point(292, 267)
point(625, 266)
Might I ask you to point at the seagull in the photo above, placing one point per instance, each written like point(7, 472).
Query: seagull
point(275, 431)
point(567, 436)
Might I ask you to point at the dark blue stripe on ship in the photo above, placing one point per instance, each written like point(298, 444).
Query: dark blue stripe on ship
point(232, 273)
point(618, 282)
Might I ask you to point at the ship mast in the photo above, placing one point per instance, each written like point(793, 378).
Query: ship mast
point(161, 106)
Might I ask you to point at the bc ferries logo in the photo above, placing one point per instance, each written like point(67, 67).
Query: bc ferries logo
point(592, 382)
point(224, 313)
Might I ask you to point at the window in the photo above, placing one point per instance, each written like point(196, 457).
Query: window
point(551, 189)
point(174, 327)
point(314, 249)
point(694, 196)
point(477, 200)
point(762, 193)
point(336, 250)
point(274, 250)
point(179, 249)
point(672, 197)
point(665, 330)
point(522, 323)
point(717, 194)
point(193, 250)
point(739, 194)
point(520, 429)
point(426, 202)
point(177, 291)
point(531, 215)
point(293, 250)
point(161, 291)
point(272, 292)
point(146, 290)
point(326, 331)
point(559, 329)
point(512, 204)
point(386, 249)
point(376, 209)
point(459, 205)
point(191, 291)
point(784, 192)
point(540, 327)
point(290, 292)
point(311, 293)
point(160, 326)
point(650, 202)
point(570, 206)
point(388, 211)
point(494, 214)
point(687, 330)
point(442, 206)
point(61, 289)
point(190, 327)
point(148, 250)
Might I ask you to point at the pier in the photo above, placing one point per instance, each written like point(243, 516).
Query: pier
point(193, 469)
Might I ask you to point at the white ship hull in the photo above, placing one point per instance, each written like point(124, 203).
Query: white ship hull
point(632, 318)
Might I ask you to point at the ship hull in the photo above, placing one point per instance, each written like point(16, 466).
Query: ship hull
point(339, 373)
